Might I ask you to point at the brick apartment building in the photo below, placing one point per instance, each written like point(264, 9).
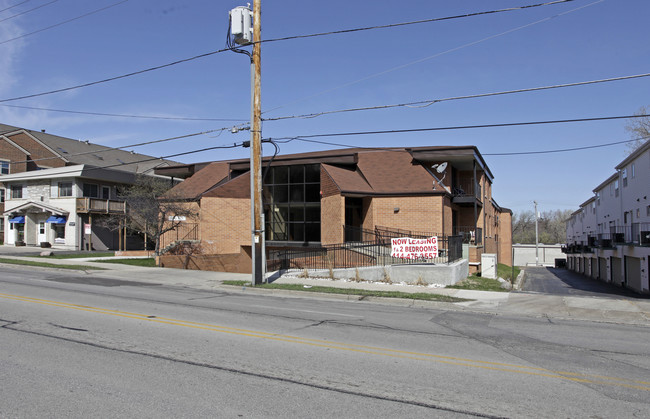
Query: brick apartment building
point(608, 238)
point(332, 197)
point(52, 188)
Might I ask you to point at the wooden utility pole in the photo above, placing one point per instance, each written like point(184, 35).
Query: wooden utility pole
point(256, 148)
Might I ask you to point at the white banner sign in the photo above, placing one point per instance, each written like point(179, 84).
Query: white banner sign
point(407, 248)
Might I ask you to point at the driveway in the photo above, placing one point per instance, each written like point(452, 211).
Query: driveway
point(558, 281)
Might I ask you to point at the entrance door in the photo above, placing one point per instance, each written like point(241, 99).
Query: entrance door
point(42, 235)
point(353, 219)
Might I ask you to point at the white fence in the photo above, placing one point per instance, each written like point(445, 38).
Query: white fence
point(525, 254)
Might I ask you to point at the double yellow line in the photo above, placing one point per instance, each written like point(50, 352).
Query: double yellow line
point(471, 363)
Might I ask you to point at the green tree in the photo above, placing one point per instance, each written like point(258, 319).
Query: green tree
point(551, 226)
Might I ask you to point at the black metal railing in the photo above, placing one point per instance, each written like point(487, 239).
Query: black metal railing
point(471, 235)
point(375, 252)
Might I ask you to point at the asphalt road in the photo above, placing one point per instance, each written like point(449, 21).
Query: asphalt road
point(118, 349)
point(565, 282)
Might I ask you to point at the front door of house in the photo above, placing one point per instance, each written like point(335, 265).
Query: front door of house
point(42, 232)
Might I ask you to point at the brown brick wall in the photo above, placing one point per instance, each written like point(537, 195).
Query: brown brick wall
point(505, 238)
point(332, 210)
point(238, 262)
point(327, 185)
point(225, 225)
point(12, 154)
point(422, 213)
point(37, 152)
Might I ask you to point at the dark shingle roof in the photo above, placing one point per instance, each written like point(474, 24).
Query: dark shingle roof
point(84, 152)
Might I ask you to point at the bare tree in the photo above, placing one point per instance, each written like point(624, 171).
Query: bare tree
point(639, 129)
point(551, 226)
point(152, 210)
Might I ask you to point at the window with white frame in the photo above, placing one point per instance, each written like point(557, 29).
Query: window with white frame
point(624, 176)
point(632, 170)
point(17, 192)
point(4, 167)
point(65, 189)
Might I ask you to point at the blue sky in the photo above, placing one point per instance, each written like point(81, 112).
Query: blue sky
point(576, 41)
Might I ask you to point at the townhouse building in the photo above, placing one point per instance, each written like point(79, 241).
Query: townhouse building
point(339, 196)
point(55, 191)
point(608, 238)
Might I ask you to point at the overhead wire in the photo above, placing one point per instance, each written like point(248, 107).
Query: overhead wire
point(170, 118)
point(518, 153)
point(15, 5)
point(38, 173)
point(105, 149)
point(459, 127)
point(429, 102)
point(399, 67)
point(207, 54)
point(27, 11)
point(64, 22)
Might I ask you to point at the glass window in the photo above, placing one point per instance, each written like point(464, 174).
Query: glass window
point(106, 192)
point(17, 192)
point(59, 231)
point(632, 170)
point(2, 195)
point(91, 190)
point(4, 167)
point(624, 175)
point(292, 203)
point(65, 189)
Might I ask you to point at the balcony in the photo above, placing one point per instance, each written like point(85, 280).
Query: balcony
point(466, 193)
point(471, 235)
point(100, 206)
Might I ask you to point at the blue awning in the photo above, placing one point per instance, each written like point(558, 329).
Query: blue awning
point(56, 220)
point(19, 220)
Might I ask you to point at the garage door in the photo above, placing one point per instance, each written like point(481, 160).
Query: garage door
point(602, 269)
point(633, 273)
point(616, 266)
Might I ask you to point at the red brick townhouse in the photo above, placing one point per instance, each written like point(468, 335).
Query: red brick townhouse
point(331, 197)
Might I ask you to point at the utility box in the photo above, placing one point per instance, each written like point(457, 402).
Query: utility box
point(489, 265)
point(241, 25)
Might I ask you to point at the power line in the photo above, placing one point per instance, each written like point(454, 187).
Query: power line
point(128, 146)
point(501, 125)
point(564, 150)
point(469, 44)
point(27, 11)
point(64, 22)
point(429, 102)
point(15, 5)
point(262, 41)
point(416, 22)
point(171, 118)
point(39, 173)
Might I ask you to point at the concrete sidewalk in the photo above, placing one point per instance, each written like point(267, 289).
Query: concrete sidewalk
point(615, 309)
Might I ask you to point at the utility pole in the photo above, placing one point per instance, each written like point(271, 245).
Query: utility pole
point(256, 148)
point(536, 237)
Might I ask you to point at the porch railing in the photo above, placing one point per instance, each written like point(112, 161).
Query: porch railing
point(183, 232)
point(106, 206)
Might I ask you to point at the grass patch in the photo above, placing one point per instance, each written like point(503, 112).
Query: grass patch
point(49, 265)
point(79, 255)
point(478, 283)
point(505, 272)
point(146, 263)
point(349, 291)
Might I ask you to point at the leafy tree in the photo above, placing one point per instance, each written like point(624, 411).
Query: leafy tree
point(639, 129)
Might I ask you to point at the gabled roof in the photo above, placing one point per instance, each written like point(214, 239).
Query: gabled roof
point(85, 152)
point(239, 187)
point(39, 206)
point(634, 155)
point(202, 181)
point(22, 150)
